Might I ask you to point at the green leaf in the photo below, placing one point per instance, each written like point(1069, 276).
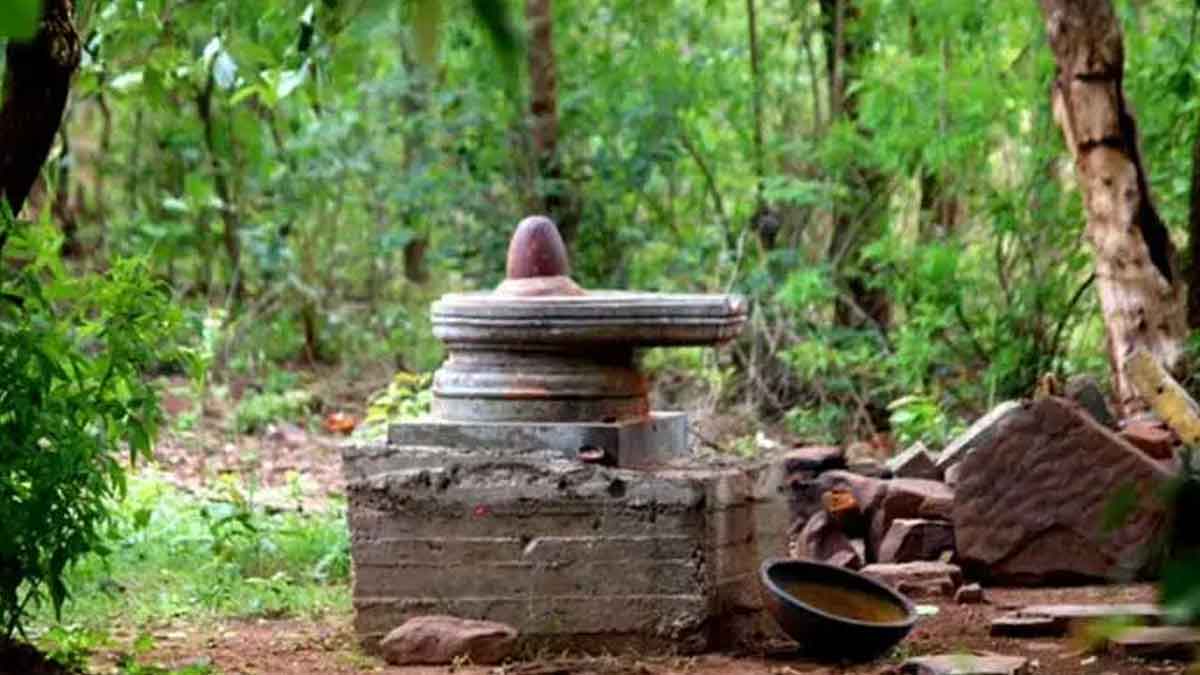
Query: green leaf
point(19, 20)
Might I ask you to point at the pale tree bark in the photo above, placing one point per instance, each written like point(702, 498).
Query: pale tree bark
point(1142, 293)
point(37, 79)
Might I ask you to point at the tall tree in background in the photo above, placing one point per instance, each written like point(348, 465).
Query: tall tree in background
point(37, 79)
point(553, 196)
point(1142, 293)
point(847, 43)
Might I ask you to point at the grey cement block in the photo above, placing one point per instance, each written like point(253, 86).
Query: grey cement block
point(633, 443)
point(368, 525)
point(530, 580)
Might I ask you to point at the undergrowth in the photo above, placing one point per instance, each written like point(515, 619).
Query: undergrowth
point(192, 558)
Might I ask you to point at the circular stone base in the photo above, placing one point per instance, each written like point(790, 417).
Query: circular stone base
point(511, 385)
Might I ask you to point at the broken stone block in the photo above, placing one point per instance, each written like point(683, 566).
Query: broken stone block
point(918, 579)
point(971, 594)
point(982, 431)
point(439, 640)
point(909, 498)
point(843, 509)
point(813, 460)
point(1083, 390)
point(913, 539)
point(1152, 438)
point(1157, 642)
point(966, 664)
point(1031, 500)
point(915, 462)
point(822, 540)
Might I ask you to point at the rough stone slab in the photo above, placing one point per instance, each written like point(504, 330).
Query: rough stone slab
point(915, 462)
point(1157, 642)
point(1031, 500)
point(1019, 626)
point(914, 539)
point(631, 443)
point(982, 431)
point(1058, 620)
point(966, 664)
point(1138, 611)
point(918, 579)
point(822, 540)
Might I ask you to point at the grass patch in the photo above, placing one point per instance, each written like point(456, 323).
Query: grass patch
point(179, 556)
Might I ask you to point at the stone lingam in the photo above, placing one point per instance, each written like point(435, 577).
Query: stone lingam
point(543, 492)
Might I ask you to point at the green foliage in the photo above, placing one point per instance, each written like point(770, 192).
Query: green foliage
point(234, 552)
point(919, 418)
point(73, 401)
point(255, 411)
point(407, 396)
point(19, 20)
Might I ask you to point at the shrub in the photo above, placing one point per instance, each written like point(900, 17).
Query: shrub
point(72, 400)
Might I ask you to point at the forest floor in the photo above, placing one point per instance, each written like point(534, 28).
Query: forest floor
point(302, 460)
point(295, 647)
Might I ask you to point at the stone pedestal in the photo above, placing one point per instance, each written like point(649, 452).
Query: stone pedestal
point(575, 556)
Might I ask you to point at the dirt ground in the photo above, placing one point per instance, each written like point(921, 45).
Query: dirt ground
point(327, 646)
point(295, 647)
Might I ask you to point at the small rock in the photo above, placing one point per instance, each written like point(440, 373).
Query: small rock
point(918, 579)
point(288, 434)
point(1024, 626)
point(1157, 642)
point(439, 640)
point(1084, 390)
point(980, 432)
point(1152, 438)
point(913, 539)
point(822, 540)
point(813, 459)
point(966, 664)
point(971, 594)
point(915, 462)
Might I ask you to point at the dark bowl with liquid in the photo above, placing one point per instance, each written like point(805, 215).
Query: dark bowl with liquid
point(834, 613)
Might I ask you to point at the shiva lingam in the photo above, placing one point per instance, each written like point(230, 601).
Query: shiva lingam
point(543, 492)
point(541, 362)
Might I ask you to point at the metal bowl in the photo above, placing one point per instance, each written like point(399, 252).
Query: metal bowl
point(825, 635)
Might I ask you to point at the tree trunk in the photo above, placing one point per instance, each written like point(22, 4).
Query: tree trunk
point(1141, 292)
point(229, 210)
point(553, 197)
point(859, 305)
point(37, 79)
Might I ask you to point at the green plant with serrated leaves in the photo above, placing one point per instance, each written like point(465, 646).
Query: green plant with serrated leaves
point(74, 403)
